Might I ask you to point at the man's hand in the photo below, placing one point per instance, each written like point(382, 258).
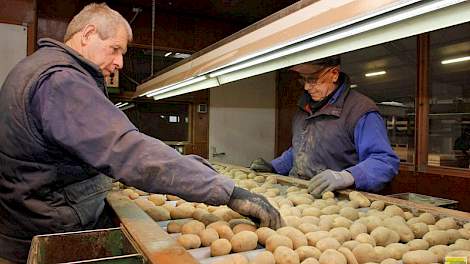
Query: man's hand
point(260, 165)
point(329, 180)
point(255, 206)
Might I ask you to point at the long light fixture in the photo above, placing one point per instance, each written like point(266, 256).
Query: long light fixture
point(377, 73)
point(247, 67)
point(455, 60)
point(172, 87)
point(328, 38)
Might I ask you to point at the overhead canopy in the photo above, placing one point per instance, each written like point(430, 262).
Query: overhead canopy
point(302, 32)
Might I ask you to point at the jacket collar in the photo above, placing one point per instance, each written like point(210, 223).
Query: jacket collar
point(335, 103)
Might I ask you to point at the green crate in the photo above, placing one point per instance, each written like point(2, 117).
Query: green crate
point(93, 246)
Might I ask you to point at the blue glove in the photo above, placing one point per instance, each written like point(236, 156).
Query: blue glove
point(329, 180)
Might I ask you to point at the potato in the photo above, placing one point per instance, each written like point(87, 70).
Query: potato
point(297, 237)
point(314, 237)
point(342, 222)
point(158, 213)
point(419, 229)
point(133, 196)
point(372, 222)
point(341, 234)
point(243, 227)
point(292, 221)
point(305, 252)
point(440, 251)
point(419, 257)
point(157, 199)
point(308, 227)
point(220, 247)
point(276, 241)
point(189, 241)
point(453, 234)
point(208, 236)
point(144, 204)
point(300, 199)
point(365, 238)
point(173, 227)
point(384, 236)
point(351, 244)
point(418, 244)
point(347, 253)
point(349, 213)
point(392, 210)
point(407, 215)
point(436, 237)
point(182, 211)
point(381, 253)
point(396, 250)
point(264, 257)
point(331, 209)
point(310, 261)
point(223, 229)
point(327, 243)
point(332, 256)
point(259, 179)
point(378, 205)
point(285, 255)
point(313, 211)
point(192, 227)
point(402, 230)
point(360, 198)
point(208, 219)
point(364, 253)
point(264, 233)
point(462, 244)
point(328, 195)
point(427, 218)
point(446, 223)
point(244, 241)
point(357, 228)
point(311, 220)
point(465, 233)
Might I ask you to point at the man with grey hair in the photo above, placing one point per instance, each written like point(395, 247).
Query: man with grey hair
point(339, 139)
point(62, 142)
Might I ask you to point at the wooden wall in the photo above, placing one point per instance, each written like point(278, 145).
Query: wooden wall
point(172, 31)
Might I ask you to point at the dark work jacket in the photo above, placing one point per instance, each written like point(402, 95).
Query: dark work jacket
point(42, 187)
point(325, 139)
point(59, 140)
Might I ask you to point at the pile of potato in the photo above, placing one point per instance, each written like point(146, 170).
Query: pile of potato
point(318, 230)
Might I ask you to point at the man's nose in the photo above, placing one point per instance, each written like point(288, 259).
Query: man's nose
point(119, 61)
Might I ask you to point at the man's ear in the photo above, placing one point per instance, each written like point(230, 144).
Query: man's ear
point(335, 73)
point(87, 32)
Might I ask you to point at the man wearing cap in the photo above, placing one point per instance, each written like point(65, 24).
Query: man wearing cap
point(339, 138)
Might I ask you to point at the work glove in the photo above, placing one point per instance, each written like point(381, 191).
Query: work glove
point(329, 180)
point(260, 165)
point(256, 207)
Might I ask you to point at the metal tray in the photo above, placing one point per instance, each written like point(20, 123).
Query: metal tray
point(110, 246)
point(425, 199)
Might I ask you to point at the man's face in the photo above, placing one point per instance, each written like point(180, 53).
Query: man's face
point(108, 53)
point(320, 83)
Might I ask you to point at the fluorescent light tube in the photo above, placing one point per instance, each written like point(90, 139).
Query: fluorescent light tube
point(367, 26)
point(168, 54)
point(205, 84)
point(118, 104)
point(353, 85)
point(124, 104)
point(370, 74)
point(177, 85)
point(455, 60)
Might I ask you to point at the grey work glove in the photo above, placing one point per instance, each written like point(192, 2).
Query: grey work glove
point(260, 165)
point(329, 180)
point(256, 207)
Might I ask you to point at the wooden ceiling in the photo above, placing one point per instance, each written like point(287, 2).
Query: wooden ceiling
point(244, 12)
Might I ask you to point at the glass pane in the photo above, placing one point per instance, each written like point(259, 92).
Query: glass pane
point(387, 73)
point(449, 98)
point(165, 121)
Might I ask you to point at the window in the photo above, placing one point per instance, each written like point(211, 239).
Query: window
point(387, 73)
point(165, 121)
point(449, 97)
